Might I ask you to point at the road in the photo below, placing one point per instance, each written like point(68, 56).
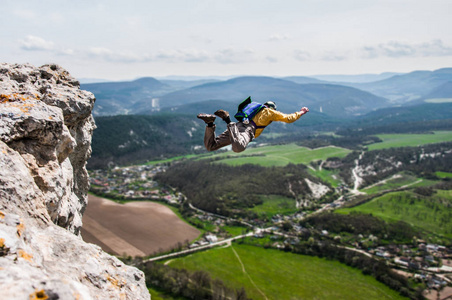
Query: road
point(195, 249)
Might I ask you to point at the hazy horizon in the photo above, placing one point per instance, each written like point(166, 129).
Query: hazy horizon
point(122, 40)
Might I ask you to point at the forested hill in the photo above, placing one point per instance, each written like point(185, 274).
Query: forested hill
point(227, 190)
point(127, 139)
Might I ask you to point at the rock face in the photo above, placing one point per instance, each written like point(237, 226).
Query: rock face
point(45, 140)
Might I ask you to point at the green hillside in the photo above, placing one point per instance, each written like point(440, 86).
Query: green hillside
point(430, 213)
point(273, 274)
point(132, 139)
point(280, 155)
point(410, 140)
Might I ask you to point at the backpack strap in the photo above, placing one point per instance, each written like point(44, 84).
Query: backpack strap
point(257, 127)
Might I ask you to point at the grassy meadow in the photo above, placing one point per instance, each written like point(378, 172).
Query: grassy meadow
point(397, 181)
point(330, 176)
point(439, 100)
point(281, 155)
point(444, 174)
point(274, 204)
point(410, 140)
point(274, 274)
point(431, 214)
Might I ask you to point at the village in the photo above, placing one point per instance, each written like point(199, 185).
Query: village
point(131, 183)
point(424, 262)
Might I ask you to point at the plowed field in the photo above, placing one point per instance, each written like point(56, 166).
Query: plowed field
point(136, 228)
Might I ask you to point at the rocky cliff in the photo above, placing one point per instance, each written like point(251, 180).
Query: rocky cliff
point(45, 140)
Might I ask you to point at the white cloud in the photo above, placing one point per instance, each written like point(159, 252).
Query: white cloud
point(302, 55)
point(35, 43)
point(201, 39)
point(24, 14)
point(66, 51)
point(279, 37)
point(271, 59)
point(112, 56)
point(333, 56)
point(234, 56)
point(402, 49)
point(435, 48)
point(184, 55)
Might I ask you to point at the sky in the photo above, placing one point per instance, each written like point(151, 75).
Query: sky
point(128, 39)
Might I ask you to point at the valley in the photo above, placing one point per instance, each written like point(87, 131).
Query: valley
point(282, 217)
point(362, 190)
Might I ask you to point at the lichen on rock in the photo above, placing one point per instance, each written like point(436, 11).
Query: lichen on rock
point(45, 141)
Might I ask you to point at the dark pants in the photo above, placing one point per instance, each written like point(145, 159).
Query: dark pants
point(238, 135)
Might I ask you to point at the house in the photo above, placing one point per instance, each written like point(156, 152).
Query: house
point(211, 238)
point(432, 248)
point(404, 261)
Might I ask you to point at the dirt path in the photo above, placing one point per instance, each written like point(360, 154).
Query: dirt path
point(358, 180)
point(137, 228)
point(248, 275)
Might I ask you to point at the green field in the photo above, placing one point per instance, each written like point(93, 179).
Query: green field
point(439, 100)
point(274, 274)
point(274, 204)
point(397, 181)
point(181, 157)
point(431, 214)
point(281, 155)
point(235, 230)
point(444, 174)
point(330, 176)
point(410, 140)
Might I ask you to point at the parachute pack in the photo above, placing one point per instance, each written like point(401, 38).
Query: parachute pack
point(247, 110)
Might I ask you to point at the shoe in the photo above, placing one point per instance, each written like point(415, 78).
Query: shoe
point(207, 118)
point(222, 114)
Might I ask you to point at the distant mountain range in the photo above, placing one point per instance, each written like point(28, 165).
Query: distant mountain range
point(359, 78)
point(345, 99)
point(400, 89)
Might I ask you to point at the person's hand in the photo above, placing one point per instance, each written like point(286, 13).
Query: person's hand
point(304, 110)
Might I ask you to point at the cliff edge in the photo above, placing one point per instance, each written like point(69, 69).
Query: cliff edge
point(45, 140)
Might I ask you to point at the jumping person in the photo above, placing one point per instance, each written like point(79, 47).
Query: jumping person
point(240, 134)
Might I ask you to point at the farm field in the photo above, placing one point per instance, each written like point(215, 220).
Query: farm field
point(432, 214)
point(274, 274)
point(281, 155)
point(397, 181)
point(274, 204)
point(137, 228)
point(444, 174)
point(330, 176)
point(410, 140)
point(439, 100)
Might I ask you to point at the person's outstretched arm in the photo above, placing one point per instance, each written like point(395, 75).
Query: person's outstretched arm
point(288, 118)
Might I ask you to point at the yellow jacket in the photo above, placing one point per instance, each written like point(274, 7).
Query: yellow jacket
point(267, 115)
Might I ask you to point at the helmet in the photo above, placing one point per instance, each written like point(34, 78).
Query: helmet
point(270, 104)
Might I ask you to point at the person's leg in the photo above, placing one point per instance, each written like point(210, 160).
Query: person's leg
point(212, 142)
point(241, 135)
